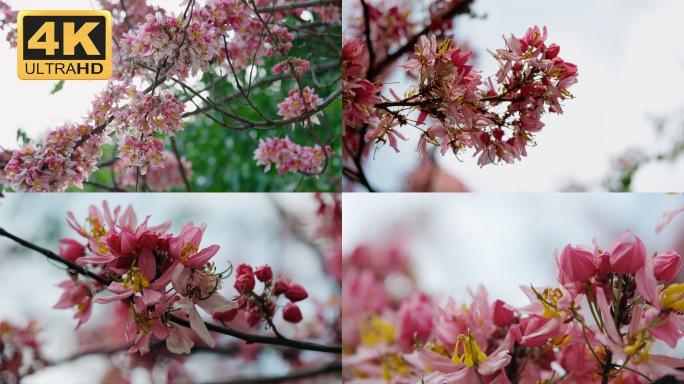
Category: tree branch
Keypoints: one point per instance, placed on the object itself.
(330, 368)
(305, 4)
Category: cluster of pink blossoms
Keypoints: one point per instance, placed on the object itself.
(359, 94)
(142, 262)
(296, 105)
(20, 353)
(288, 156)
(162, 178)
(282, 43)
(412, 340)
(532, 80)
(166, 42)
(58, 164)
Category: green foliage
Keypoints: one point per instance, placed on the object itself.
(58, 87)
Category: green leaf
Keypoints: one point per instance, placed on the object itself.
(22, 137)
(58, 87)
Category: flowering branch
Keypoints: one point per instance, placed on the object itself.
(249, 338)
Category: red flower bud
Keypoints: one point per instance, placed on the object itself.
(281, 286)
(666, 265)
(73, 251)
(245, 283)
(264, 274)
(292, 313)
(244, 269)
(296, 293)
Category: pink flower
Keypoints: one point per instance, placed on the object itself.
(415, 321)
(77, 293)
(196, 288)
(292, 313)
(577, 263)
(73, 251)
(144, 324)
(385, 129)
(666, 265)
(185, 247)
(627, 257)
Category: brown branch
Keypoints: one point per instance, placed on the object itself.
(180, 165)
(330, 368)
(304, 4)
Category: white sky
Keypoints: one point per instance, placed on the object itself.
(630, 58)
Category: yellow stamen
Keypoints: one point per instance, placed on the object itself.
(671, 297)
(374, 330)
(471, 352)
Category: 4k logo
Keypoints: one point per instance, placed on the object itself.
(64, 45)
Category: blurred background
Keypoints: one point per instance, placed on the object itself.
(623, 131)
(257, 229)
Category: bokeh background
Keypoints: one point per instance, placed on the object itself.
(249, 229)
(630, 56)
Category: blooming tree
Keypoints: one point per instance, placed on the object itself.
(613, 309)
(156, 283)
(192, 93)
(457, 109)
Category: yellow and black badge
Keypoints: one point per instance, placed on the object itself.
(64, 45)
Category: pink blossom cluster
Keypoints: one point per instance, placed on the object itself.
(532, 80)
(331, 13)
(288, 156)
(9, 21)
(299, 65)
(146, 114)
(258, 307)
(58, 164)
(410, 339)
(20, 353)
(145, 153)
(359, 95)
(171, 43)
(390, 25)
(280, 41)
(142, 262)
(163, 178)
(225, 15)
(300, 102)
